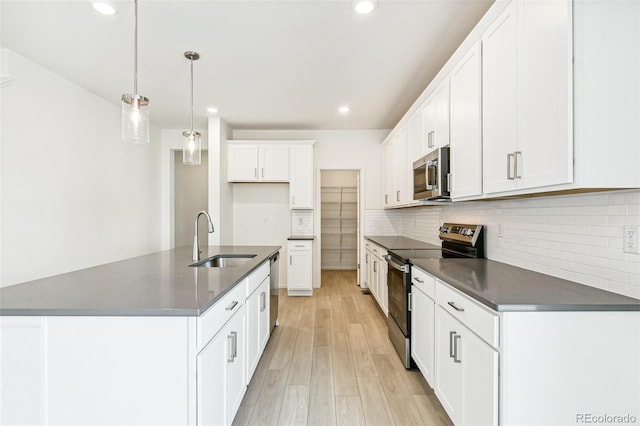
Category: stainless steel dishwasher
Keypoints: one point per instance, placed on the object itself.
(275, 288)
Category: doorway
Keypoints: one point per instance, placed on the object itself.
(339, 219)
(190, 195)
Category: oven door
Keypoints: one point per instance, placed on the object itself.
(398, 296)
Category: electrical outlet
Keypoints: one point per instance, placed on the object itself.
(630, 241)
(500, 230)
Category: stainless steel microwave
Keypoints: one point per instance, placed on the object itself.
(431, 176)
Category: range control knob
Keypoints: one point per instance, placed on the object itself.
(444, 229)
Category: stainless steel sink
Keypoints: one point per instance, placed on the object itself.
(224, 261)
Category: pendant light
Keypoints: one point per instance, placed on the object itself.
(192, 152)
(135, 108)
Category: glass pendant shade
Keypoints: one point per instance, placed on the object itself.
(191, 154)
(135, 119)
(135, 108)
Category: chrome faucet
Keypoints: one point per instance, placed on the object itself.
(196, 246)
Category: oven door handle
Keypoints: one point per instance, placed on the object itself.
(399, 266)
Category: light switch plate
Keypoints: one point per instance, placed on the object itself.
(630, 239)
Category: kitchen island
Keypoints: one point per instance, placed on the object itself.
(147, 341)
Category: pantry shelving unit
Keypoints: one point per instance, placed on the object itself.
(339, 217)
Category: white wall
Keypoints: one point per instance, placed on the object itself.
(220, 191)
(172, 142)
(575, 237)
(73, 194)
(191, 194)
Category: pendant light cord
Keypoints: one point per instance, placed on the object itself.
(191, 60)
(135, 48)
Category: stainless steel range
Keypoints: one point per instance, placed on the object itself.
(458, 241)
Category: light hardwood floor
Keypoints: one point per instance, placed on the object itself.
(330, 362)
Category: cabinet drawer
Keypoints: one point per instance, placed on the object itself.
(299, 245)
(378, 251)
(423, 281)
(469, 312)
(256, 277)
(209, 323)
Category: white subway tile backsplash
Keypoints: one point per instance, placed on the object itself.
(302, 223)
(576, 237)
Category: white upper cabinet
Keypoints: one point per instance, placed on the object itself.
(397, 171)
(274, 163)
(402, 194)
(242, 163)
(387, 174)
(301, 188)
(466, 125)
(258, 162)
(414, 138)
(527, 97)
(435, 119)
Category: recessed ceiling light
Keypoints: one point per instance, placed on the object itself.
(212, 110)
(343, 109)
(364, 6)
(104, 7)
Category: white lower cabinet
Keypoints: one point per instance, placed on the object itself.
(423, 324)
(257, 326)
(466, 365)
(221, 370)
(299, 268)
(377, 274)
(466, 373)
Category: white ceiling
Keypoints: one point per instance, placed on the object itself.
(264, 64)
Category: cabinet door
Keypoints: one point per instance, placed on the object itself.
(235, 375)
(242, 163)
(265, 325)
(441, 110)
(388, 174)
(383, 293)
(274, 163)
(545, 93)
(301, 184)
(253, 304)
(414, 140)
(401, 169)
(422, 333)
(466, 125)
(480, 380)
(448, 372)
(365, 269)
(499, 102)
(374, 277)
(428, 112)
(299, 270)
(211, 364)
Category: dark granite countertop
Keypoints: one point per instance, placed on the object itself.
(158, 284)
(400, 243)
(507, 288)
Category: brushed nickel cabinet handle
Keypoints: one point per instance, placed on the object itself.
(231, 306)
(234, 334)
(451, 353)
(453, 305)
(229, 348)
(456, 339)
(510, 157)
(418, 280)
(516, 174)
